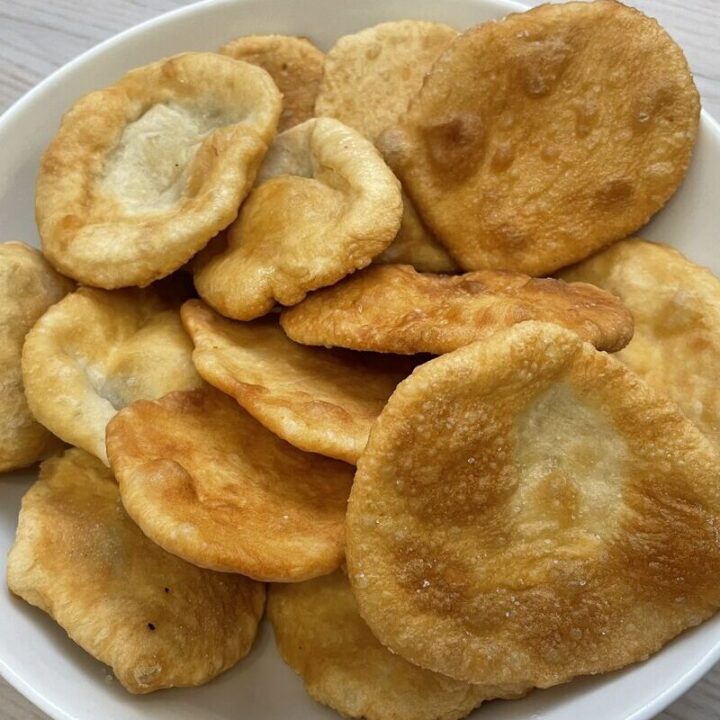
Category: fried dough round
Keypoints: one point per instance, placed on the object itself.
(143, 173)
(28, 286)
(539, 139)
(320, 634)
(676, 307)
(530, 501)
(325, 205)
(96, 352)
(414, 245)
(295, 65)
(392, 308)
(370, 77)
(156, 620)
(319, 400)
(209, 483)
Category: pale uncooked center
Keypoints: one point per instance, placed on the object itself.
(572, 463)
(149, 168)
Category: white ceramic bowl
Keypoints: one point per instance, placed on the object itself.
(35, 654)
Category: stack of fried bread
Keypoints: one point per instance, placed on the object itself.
(365, 337)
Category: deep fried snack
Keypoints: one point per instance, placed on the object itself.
(158, 621)
(392, 308)
(321, 401)
(532, 501)
(370, 77)
(414, 245)
(28, 286)
(96, 352)
(325, 205)
(539, 139)
(209, 483)
(143, 173)
(676, 307)
(320, 634)
(295, 65)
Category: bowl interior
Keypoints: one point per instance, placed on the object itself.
(35, 654)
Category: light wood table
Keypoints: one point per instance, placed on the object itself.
(37, 36)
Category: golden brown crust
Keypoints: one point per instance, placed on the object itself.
(319, 400)
(157, 621)
(324, 206)
(210, 484)
(370, 77)
(28, 286)
(530, 501)
(392, 308)
(414, 245)
(143, 173)
(295, 65)
(539, 139)
(320, 634)
(368, 80)
(676, 307)
(98, 351)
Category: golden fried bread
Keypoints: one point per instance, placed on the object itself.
(158, 621)
(209, 483)
(321, 635)
(142, 174)
(529, 510)
(28, 286)
(676, 307)
(325, 205)
(368, 80)
(394, 309)
(414, 245)
(295, 65)
(539, 139)
(319, 400)
(96, 352)
(370, 77)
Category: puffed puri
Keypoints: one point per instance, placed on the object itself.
(97, 351)
(543, 137)
(321, 635)
(676, 306)
(207, 482)
(294, 63)
(319, 400)
(143, 173)
(393, 308)
(156, 620)
(325, 204)
(530, 500)
(368, 80)
(28, 287)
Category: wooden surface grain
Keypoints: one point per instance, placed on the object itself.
(37, 36)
